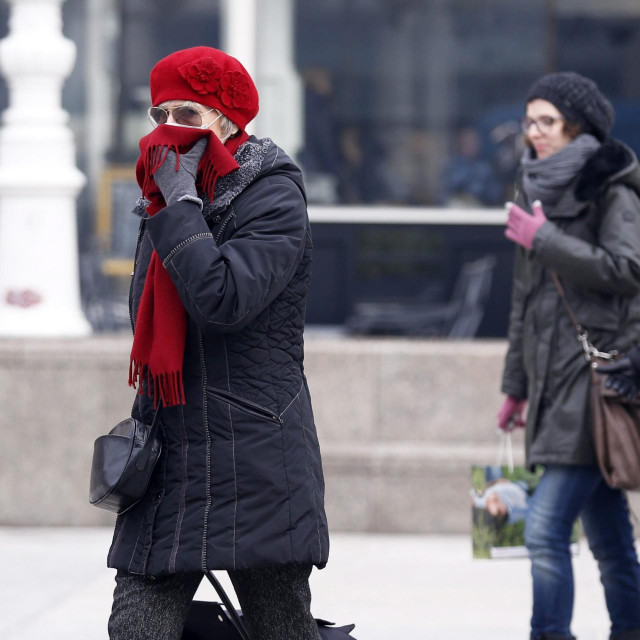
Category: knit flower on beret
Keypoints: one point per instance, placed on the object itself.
(235, 90)
(203, 75)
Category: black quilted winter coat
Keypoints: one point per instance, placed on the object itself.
(239, 483)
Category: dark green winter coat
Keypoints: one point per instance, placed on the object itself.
(591, 240)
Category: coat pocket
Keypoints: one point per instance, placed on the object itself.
(247, 406)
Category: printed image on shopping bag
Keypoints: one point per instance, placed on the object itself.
(500, 499)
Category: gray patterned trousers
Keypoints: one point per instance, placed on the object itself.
(275, 603)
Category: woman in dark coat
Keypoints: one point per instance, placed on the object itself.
(218, 301)
(583, 191)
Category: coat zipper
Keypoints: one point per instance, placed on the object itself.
(223, 225)
(205, 418)
(246, 405)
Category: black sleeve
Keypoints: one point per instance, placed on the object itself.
(611, 266)
(224, 287)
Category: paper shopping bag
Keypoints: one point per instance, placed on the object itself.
(500, 497)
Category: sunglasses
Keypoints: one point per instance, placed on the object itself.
(183, 116)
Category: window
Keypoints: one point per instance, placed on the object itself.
(418, 103)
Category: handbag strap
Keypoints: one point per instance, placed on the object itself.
(145, 454)
(591, 353)
(560, 289)
(231, 610)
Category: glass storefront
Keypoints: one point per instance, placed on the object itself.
(418, 102)
(406, 102)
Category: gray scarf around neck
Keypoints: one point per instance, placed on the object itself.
(547, 179)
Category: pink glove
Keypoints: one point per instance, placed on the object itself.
(510, 414)
(522, 227)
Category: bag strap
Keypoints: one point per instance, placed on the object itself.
(560, 289)
(591, 353)
(231, 610)
(145, 454)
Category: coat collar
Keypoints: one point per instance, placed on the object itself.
(612, 162)
(250, 156)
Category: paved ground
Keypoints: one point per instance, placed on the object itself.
(55, 586)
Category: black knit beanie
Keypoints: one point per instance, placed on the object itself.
(578, 99)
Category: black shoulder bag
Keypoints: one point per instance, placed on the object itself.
(123, 461)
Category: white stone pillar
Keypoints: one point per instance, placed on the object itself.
(39, 182)
(101, 29)
(261, 35)
(239, 32)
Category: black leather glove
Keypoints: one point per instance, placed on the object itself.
(623, 378)
(181, 184)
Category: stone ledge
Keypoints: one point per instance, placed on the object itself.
(400, 423)
(425, 493)
(407, 456)
(111, 349)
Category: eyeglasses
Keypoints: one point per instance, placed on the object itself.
(543, 124)
(184, 116)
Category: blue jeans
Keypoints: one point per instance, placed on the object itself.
(564, 493)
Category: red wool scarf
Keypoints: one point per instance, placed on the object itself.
(161, 324)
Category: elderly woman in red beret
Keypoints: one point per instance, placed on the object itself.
(217, 307)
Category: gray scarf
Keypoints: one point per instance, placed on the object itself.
(546, 180)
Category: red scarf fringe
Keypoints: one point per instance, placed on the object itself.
(168, 387)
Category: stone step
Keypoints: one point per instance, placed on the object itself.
(403, 487)
(407, 487)
(405, 390)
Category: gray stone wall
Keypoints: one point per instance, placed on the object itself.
(400, 423)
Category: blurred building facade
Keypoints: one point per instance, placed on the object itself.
(386, 104)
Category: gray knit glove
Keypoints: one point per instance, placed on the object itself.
(181, 184)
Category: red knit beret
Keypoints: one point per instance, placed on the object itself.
(208, 76)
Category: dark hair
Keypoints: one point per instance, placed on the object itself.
(572, 129)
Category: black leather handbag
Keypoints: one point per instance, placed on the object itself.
(210, 621)
(123, 461)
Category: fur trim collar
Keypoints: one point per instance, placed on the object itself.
(250, 156)
(612, 160)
